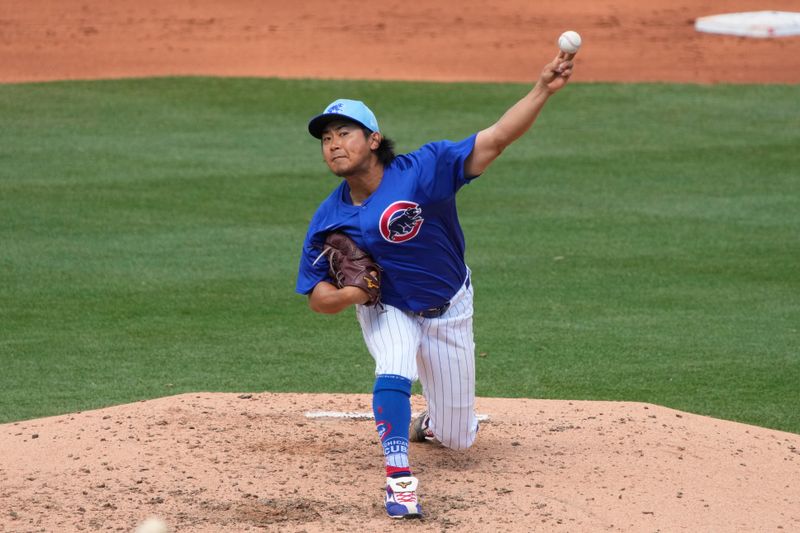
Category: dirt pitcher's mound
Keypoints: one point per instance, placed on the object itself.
(227, 462)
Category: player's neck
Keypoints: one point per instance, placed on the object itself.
(363, 184)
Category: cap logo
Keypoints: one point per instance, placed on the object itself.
(335, 108)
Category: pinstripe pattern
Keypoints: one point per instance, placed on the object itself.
(391, 335)
(440, 352)
(397, 460)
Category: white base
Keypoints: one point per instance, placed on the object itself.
(759, 24)
(362, 416)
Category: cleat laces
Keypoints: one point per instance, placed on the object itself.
(406, 497)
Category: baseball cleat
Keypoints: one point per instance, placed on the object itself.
(401, 497)
(420, 430)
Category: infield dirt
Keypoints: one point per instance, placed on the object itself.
(221, 462)
(228, 462)
(469, 40)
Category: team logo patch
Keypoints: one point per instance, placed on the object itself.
(401, 221)
(335, 108)
(384, 428)
(395, 445)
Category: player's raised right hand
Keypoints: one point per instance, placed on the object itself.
(556, 74)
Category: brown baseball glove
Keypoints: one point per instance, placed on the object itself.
(351, 266)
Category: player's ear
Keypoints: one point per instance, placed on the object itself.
(375, 139)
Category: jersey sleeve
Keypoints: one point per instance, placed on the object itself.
(440, 167)
(313, 268)
(310, 273)
(330, 216)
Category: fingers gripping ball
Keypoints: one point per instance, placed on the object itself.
(351, 266)
(569, 42)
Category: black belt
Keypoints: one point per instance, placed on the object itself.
(436, 312)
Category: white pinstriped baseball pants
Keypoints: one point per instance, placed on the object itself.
(440, 352)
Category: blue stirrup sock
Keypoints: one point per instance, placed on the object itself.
(391, 404)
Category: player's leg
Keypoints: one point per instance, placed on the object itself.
(446, 364)
(392, 338)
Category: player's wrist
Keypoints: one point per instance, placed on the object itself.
(541, 91)
(354, 295)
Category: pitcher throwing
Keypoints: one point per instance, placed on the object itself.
(388, 241)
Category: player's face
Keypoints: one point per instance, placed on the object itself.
(346, 149)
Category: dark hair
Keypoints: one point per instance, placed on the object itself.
(385, 151)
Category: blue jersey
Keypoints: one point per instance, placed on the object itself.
(409, 226)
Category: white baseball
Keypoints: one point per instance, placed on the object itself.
(569, 42)
(153, 525)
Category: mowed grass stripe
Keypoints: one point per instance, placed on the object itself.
(641, 243)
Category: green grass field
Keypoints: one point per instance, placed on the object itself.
(642, 243)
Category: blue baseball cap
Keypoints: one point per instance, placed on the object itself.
(343, 109)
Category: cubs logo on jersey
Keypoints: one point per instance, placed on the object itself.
(401, 221)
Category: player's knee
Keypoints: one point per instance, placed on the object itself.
(457, 446)
(460, 440)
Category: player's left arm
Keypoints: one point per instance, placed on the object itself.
(491, 142)
(326, 298)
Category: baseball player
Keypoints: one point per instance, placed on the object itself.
(413, 296)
